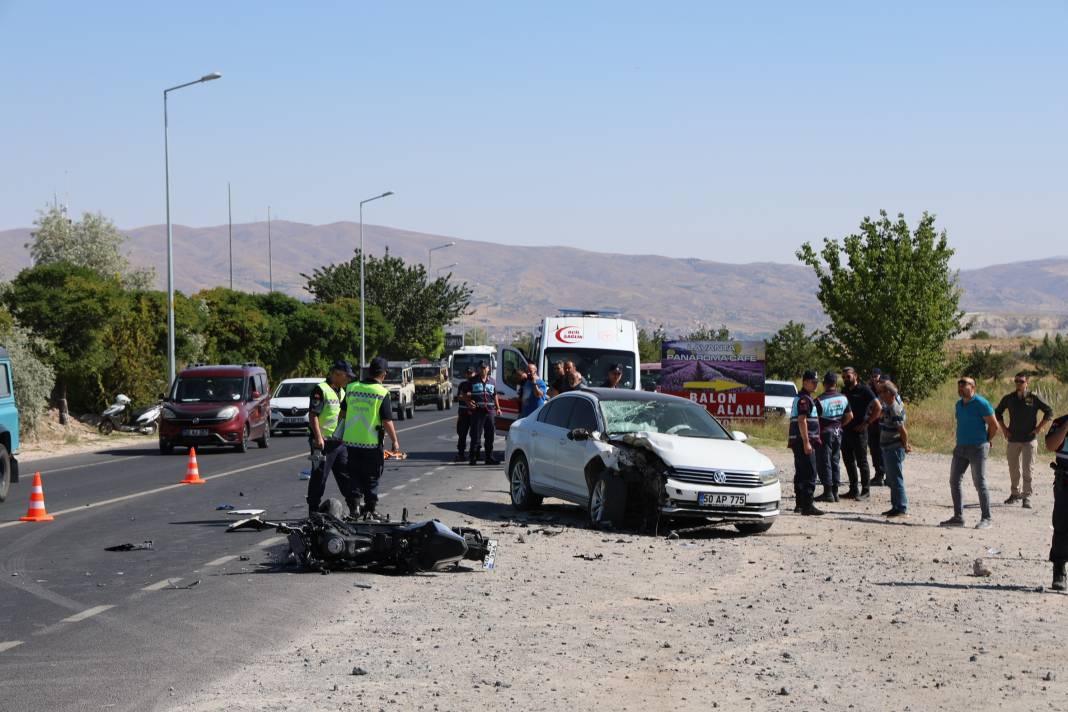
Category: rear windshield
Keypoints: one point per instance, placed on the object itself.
(208, 389)
(393, 375)
(426, 371)
(462, 362)
(295, 390)
(780, 389)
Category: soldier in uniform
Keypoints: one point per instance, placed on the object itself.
(368, 416)
(328, 453)
(804, 437)
(836, 414)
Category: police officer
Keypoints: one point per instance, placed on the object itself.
(368, 415)
(483, 406)
(463, 416)
(1057, 442)
(804, 437)
(328, 453)
(835, 415)
(866, 413)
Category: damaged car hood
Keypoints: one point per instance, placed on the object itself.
(698, 453)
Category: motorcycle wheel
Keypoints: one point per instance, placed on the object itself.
(106, 426)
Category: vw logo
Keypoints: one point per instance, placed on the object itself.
(719, 477)
(196, 420)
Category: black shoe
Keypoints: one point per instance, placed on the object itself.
(864, 495)
(472, 463)
(489, 462)
(826, 496)
(1060, 581)
(890, 512)
(851, 494)
(878, 482)
(797, 508)
(811, 511)
(834, 492)
(460, 457)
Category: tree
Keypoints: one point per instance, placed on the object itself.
(1052, 355)
(32, 376)
(524, 341)
(417, 308)
(650, 346)
(72, 307)
(894, 302)
(987, 363)
(793, 350)
(709, 334)
(319, 334)
(93, 242)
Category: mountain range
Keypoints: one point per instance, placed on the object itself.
(515, 285)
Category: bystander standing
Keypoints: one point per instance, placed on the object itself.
(1021, 436)
(866, 411)
(976, 429)
(894, 442)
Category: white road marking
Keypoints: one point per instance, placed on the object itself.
(87, 613)
(399, 487)
(414, 479)
(166, 488)
(159, 585)
(9, 644)
(88, 464)
(222, 560)
(268, 542)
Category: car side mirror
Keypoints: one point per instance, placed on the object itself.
(163, 396)
(579, 434)
(739, 436)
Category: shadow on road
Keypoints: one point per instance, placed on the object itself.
(566, 515)
(967, 586)
(861, 519)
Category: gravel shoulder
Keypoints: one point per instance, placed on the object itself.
(842, 612)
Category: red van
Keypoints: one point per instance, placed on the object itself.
(224, 406)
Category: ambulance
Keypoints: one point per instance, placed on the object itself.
(595, 339)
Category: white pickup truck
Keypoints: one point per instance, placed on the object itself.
(779, 397)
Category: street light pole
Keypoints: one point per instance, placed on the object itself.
(430, 255)
(270, 258)
(363, 340)
(170, 237)
(230, 232)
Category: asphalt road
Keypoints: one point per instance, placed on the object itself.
(83, 628)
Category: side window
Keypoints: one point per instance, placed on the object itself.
(546, 411)
(582, 415)
(5, 384)
(262, 377)
(561, 414)
(251, 386)
(513, 363)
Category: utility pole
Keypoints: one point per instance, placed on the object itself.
(230, 230)
(270, 260)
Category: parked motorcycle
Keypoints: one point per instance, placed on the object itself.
(117, 416)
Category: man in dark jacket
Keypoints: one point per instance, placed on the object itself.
(866, 411)
(804, 438)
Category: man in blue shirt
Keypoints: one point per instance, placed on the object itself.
(976, 429)
(532, 391)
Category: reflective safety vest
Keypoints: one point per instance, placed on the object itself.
(363, 403)
(812, 420)
(331, 410)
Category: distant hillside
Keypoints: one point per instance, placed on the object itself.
(514, 285)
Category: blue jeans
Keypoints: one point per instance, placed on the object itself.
(967, 457)
(894, 462)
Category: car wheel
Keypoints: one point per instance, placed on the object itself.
(266, 439)
(274, 433)
(165, 448)
(448, 401)
(523, 498)
(411, 411)
(753, 527)
(399, 414)
(245, 435)
(5, 473)
(608, 501)
(441, 403)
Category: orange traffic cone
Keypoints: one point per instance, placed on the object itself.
(192, 472)
(36, 512)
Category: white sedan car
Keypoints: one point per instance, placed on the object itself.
(289, 405)
(629, 455)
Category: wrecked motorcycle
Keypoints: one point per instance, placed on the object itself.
(326, 541)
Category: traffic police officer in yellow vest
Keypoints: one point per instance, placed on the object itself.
(368, 414)
(328, 453)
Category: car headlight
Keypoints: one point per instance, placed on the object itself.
(227, 413)
(769, 477)
(169, 414)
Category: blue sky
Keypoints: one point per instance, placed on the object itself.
(703, 129)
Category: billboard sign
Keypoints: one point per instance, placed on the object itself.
(727, 377)
(453, 342)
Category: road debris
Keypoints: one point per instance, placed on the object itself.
(143, 546)
(188, 586)
(224, 507)
(588, 557)
(980, 569)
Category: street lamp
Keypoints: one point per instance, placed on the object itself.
(454, 264)
(430, 255)
(170, 237)
(363, 258)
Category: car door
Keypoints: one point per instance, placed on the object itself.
(545, 435)
(572, 455)
(510, 361)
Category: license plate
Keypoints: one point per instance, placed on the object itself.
(293, 421)
(713, 499)
(195, 432)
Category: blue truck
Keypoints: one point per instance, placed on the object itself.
(9, 427)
